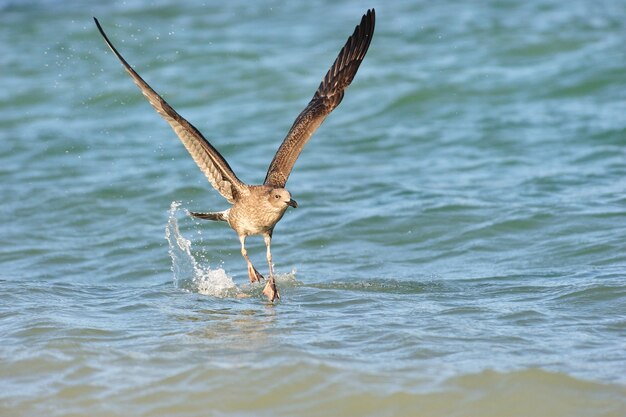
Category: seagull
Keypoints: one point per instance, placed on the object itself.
(256, 209)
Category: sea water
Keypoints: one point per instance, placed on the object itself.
(459, 247)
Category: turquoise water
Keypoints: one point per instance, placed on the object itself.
(459, 249)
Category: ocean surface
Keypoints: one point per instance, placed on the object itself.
(459, 249)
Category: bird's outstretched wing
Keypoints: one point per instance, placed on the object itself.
(212, 164)
(326, 98)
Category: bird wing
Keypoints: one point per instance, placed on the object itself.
(208, 159)
(328, 96)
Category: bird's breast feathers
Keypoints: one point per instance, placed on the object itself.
(254, 220)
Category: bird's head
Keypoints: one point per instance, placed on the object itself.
(281, 198)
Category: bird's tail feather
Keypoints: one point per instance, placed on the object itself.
(221, 216)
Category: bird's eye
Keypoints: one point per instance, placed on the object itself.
(276, 196)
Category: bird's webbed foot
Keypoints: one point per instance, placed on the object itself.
(253, 274)
(270, 290)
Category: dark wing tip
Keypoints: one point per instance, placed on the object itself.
(95, 19)
(326, 98)
(348, 61)
(367, 25)
(108, 42)
(369, 18)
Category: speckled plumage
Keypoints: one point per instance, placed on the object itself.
(257, 208)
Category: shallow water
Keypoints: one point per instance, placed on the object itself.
(459, 246)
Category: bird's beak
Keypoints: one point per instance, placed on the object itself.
(292, 203)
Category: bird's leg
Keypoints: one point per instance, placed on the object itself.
(270, 290)
(268, 254)
(253, 274)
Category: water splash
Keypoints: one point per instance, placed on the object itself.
(189, 274)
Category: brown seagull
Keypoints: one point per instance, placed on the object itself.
(256, 209)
